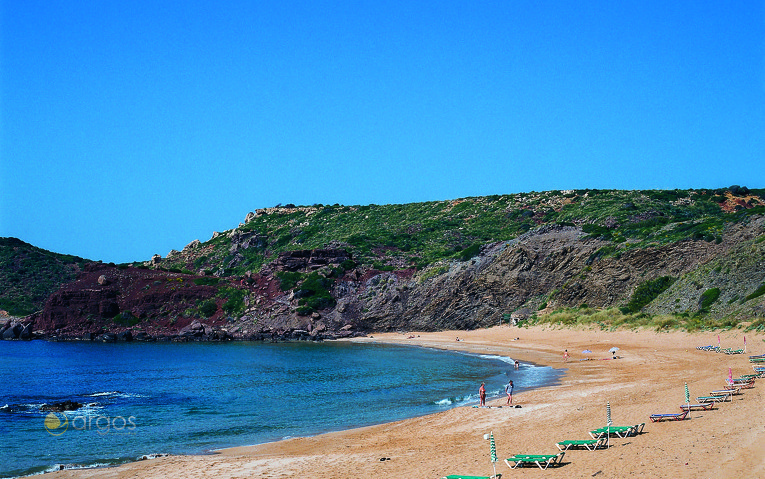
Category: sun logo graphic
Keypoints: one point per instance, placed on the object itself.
(54, 425)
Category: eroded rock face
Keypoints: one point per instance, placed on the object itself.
(507, 280)
(310, 260)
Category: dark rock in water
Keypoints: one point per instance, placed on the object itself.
(26, 332)
(125, 336)
(107, 338)
(142, 336)
(67, 405)
(13, 332)
(193, 330)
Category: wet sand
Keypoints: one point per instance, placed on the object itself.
(728, 442)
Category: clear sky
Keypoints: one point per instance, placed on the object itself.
(132, 128)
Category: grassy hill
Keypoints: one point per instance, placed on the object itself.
(389, 237)
(28, 275)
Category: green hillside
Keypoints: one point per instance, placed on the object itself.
(28, 275)
(418, 234)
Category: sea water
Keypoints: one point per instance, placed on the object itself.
(143, 399)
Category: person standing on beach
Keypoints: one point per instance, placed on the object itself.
(565, 356)
(482, 394)
(509, 392)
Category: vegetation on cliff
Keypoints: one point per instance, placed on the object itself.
(663, 259)
(389, 237)
(28, 275)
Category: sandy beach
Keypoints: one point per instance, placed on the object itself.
(649, 377)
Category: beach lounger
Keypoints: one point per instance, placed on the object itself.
(669, 417)
(734, 351)
(589, 444)
(757, 356)
(460, 476)
(618, 431)
(737, 386)
(715, 399)
(725, 392)
(706, 406)
(757, 360)
(543, 461)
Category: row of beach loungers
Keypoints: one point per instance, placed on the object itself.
(732, 388)
(718, 349)
(599, 437)
(599, 440)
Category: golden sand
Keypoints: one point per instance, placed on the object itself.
(728, 442)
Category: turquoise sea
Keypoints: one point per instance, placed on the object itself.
(143, 399)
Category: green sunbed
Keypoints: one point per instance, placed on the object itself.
(543, 461)
(619, 431)
(589, 444)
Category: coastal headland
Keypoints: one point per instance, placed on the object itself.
(647, 378)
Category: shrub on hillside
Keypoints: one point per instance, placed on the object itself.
(708, 298)
(208, 308)
(647, 292)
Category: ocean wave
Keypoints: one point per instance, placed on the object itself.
(457, 401)
(22, 407)
(116, 394)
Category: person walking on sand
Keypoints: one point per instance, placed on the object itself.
(509, 392)
(565, 356)
(482, 394)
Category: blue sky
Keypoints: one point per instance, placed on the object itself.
(132, 128)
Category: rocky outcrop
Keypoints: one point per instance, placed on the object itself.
(62, 406)
(310, 260)
(15, 329)
(552, 265)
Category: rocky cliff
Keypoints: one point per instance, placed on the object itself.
(549, 267)
(333, 271)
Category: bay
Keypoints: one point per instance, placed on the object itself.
(192, 398)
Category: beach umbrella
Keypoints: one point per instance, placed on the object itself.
(613, 350)
(730, 376)
(608, 414)
(493, 452)
(609, 423)
(586, 351)
(688, 399)
(718, 340)
(744, 343)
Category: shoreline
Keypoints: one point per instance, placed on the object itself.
(649, 378)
